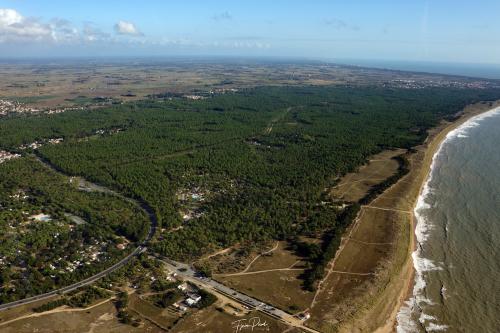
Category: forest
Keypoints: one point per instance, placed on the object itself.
(52, 234)
(259, 159)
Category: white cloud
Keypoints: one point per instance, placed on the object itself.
(127, 28)
(20, 30)
(90, 33)
(14, 27)
(9, 17)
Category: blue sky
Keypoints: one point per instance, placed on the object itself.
(416, 30)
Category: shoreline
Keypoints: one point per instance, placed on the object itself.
(432, 146)
(395, 292)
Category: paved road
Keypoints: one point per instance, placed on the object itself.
(140, 249)
(188, 273)
(182, 269)
(74, 286)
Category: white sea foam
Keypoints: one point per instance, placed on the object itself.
(462, 130)
(444, 292)
(431, 327)
(406, 324)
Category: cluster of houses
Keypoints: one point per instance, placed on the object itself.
(210, 93)
(37, 144)
(7, 107)
(5, 156)
(440, 83)
(304, 316)
(61, 110)
(86, 257)
(190, 300)
(191, 200)
(194, 97)
(19, 195)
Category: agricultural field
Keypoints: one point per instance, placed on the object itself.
(56, 84)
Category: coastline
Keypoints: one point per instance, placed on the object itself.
(432, 146)
(381, 314)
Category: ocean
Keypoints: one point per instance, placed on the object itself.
(457, 261)
(486, 71)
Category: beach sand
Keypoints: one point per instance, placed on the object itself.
(379, 314)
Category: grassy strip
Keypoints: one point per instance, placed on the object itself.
(331, 245)
(81, 299)
(376, 190)
(334, 237)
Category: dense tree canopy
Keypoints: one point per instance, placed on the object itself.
(262, 157)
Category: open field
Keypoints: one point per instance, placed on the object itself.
(355, 185)
(211, 320)
(162, 318)
(98, 319)
(233, 259)
(369, 247)
(80, 82)
(370, 304)
(278, 257)
(20, 311)
(273, 277)
(281, 288)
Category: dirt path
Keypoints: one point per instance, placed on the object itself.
(260, 255)
(350, 183)
(57, 310)
(259, 272)
(245, 271)
(345, 240)
(175, 229)
(370, 243)
(389, 209)
(215, 254)
(380, 317)
(331, 265)
(271, 124)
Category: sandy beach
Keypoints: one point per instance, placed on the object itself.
(431, 147)
(380, 313)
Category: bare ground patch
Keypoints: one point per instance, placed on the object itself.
(100, 319)
(353, 186)
(212, 320)
(279, 288)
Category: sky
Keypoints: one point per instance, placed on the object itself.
(462, 31)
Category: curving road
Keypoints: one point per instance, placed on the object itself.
(184, 270)
(140, 249)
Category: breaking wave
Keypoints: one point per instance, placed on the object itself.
(411, 317)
